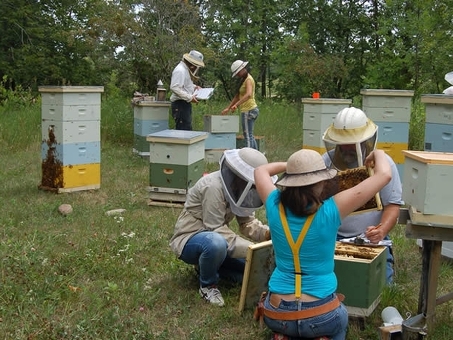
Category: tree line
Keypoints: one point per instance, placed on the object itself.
(335, 47)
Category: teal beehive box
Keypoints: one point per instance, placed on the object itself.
(360, 272)
(149, 117)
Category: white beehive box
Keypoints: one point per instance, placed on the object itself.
(178, 147)
(75, 131)
(325, 105)
(151, 110)
(439, 108)
(382, 105)
(221, 123)
(71, 95)
(427, 181)
(320, 113)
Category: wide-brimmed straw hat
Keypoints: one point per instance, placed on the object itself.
(305, 167)
(237, 66)
(195, 58)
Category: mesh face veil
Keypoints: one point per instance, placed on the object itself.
(238, 181)
(348, 156)
(350, 139)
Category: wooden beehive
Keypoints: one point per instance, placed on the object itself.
(347, 179)
(360, 272)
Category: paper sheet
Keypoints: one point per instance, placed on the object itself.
(204, 93)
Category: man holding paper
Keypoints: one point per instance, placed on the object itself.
(183, 89)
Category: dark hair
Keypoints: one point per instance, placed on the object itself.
(302, 201)
(241, 81)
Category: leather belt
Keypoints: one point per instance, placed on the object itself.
(302, 314)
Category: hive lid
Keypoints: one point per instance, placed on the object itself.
(436, 99)
(330, 101)
(387, 92)
(177, 136)
(430, 157)
(71, 89)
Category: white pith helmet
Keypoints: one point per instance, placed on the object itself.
(351, 125)
(195, 58)
(237, 66)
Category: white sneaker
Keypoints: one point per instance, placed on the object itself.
(212, 295)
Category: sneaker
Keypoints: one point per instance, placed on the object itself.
(212, 295)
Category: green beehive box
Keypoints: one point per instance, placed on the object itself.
(175, 175)
(361, 272)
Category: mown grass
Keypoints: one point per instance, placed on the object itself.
(93, 276)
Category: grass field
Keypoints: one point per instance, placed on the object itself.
(93, 276)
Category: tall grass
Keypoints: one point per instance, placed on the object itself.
(93, 276)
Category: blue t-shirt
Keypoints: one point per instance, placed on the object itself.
(316, 253)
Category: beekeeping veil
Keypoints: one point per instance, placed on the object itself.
(237, 172)
(350, 138)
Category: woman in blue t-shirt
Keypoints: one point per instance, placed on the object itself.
(302, 299)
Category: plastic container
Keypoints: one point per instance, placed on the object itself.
(391, 316)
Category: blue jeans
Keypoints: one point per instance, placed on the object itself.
(208, 250)
(248, 122)
(333, 324)
(181, 112)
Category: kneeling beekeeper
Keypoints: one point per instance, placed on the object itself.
(202, 235)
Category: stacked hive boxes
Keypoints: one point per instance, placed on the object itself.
(391, 111)
(439, 122)
(318, 116)
(176, 162)
(439, 137)
(71, 143)
(428, 189)
(221, 135)
(149, 117)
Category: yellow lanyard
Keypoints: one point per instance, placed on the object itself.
(295, 247)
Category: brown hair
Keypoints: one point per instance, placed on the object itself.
(302, 201)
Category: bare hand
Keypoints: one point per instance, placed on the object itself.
(374, 234)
